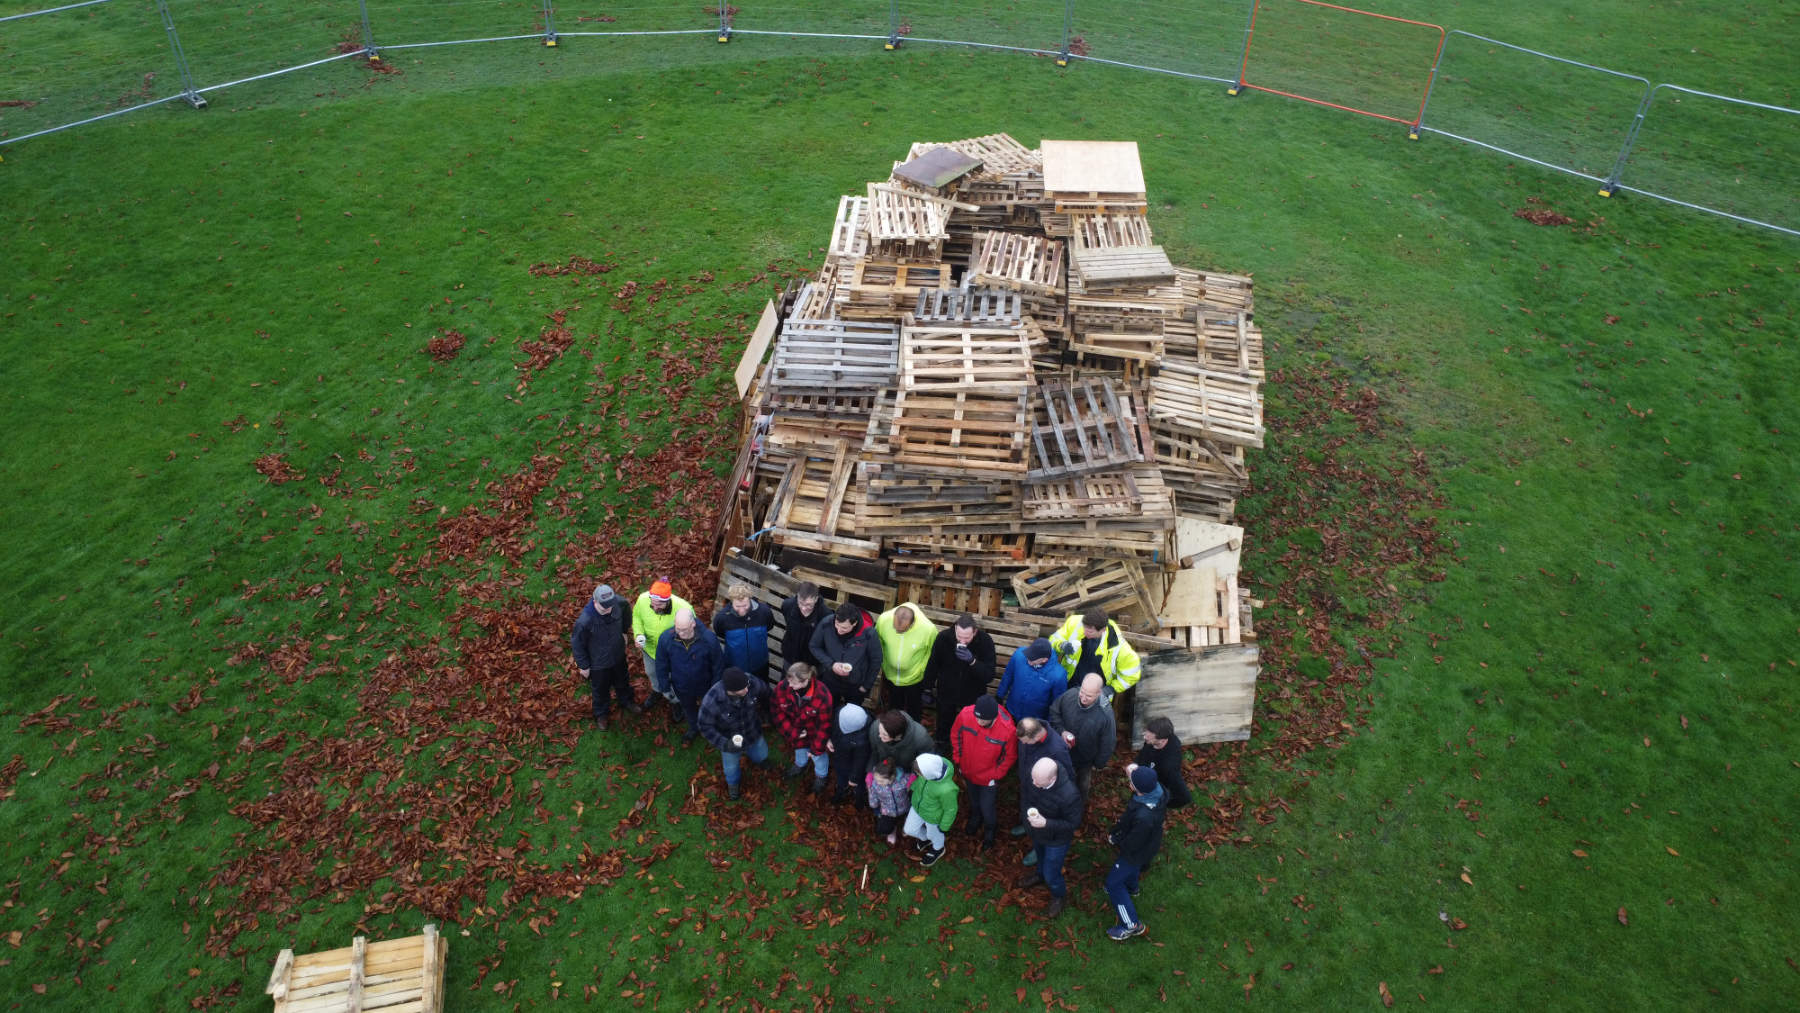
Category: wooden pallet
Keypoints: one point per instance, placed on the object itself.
(808, 506)
(955, 599)
(999, 153)
(1107, 231)
(882, 289)
(815, 299)
(393, 976)
(1079, 427)
(961, 433)
(935, 169)
(1229, 343)
(1123, 267)
(834, 356)
(1222, 406)
(993, 307)
(1209, 695)
(1230, 291)
(1012, 260)
(970, 360)
(850, 232)
(1113, 584)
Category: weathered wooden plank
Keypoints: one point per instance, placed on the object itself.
(1210, 696)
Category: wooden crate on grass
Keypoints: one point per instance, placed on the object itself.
(389, 976)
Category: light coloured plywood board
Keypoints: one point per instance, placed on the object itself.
(1193, 599)
(1092, 167)
(1209, 695)
(1219, 545)
(758, 347)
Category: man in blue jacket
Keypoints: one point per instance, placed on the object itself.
(743, 630)
(598, 644)
(1034, 678)
(730, 721)
(689, 659)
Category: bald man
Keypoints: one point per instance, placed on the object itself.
(1052, 809)
(689, 659)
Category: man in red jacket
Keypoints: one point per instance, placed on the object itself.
(984, 746)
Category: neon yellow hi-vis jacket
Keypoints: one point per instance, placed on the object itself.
(647, 621)
(903, 655)
(1119, 664)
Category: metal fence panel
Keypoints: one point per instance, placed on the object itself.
(1557, 113)
(1336, 56)
(400, 24)
(64, 66)
(630, 17)
(1197, 38)
(871, 20)
(1720, 154)
(1028, 25)
(227, 43)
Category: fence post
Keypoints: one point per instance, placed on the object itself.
(1244, 64)
(893, 41)
(549, 24)
(724, 20)
(369, 49)
(1412, 134)
(1637, 121)
(194, 98)
(1062, 59)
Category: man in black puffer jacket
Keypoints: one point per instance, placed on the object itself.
(598, 644)
(1138, 836)
(849, 655)
(801, 614)
(1053, 810)
(730, 720)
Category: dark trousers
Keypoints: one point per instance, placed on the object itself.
(950, 703)
(690, 707)
(605, 682)
(981, 811)
(1050, 866)
(910, 699)
(1121, 880)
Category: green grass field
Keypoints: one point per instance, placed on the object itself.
(286, 598)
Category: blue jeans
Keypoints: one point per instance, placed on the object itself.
(757, 751)
(1049, 865)
(1120, 881)
(821, 762)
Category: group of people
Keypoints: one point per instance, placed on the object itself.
(1051, 718)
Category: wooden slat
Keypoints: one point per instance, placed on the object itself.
(970, 360)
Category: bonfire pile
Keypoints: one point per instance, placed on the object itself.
(999, 395)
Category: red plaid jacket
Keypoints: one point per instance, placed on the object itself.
(804, 719)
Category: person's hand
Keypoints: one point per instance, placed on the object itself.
(584, 673)
(841, 667)
(1036, 819)
(737, 742)
(830, 746)
(1069, 737)
(640, 641)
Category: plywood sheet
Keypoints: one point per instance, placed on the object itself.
(1193, 598)
(758, 347)
(1209, 695)
(1092, 167)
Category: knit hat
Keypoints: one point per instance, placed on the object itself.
(931, 766)
(604, 595)
(1039, 650)
(986, 708)
(735, 680)
(852, 719)
(1143, 780)
(660, 589)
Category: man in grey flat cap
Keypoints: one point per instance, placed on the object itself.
(598, 644)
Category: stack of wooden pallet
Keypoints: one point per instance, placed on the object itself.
(999, 395)
(397, 975)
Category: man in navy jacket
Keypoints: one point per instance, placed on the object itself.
(598, 644)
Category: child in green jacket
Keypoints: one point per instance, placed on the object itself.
(933, 805)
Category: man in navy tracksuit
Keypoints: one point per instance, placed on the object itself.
(1138, 835)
